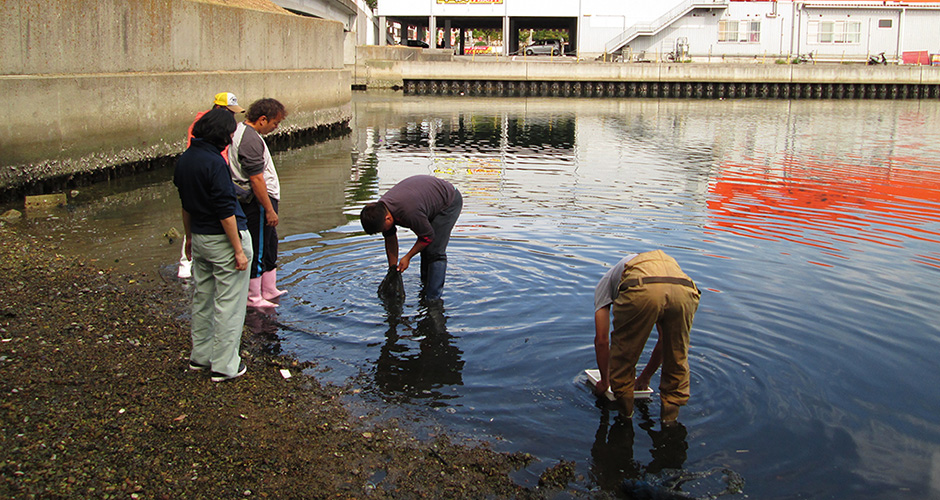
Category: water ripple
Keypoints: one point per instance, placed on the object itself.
(815, 246)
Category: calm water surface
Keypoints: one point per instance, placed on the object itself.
(812, 227)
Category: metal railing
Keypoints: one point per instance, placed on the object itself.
(660, 22)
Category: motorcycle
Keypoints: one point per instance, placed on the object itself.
(803, 59)
(878, 59)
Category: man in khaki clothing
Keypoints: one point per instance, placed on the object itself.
(644, 290)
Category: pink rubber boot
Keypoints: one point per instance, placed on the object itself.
(254, 294)
(269, 289)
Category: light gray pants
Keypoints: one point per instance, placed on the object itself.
(219, 300)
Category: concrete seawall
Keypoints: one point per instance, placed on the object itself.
(560, 77)
(627, 72)
(91, 84)
(383, 67)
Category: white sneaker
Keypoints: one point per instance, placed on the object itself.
(185, 269)
(221, 377)
(186, 265)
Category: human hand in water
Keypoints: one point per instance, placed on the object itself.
(601, 387)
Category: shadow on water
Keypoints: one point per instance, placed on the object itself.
(613, 466)
(418, 357)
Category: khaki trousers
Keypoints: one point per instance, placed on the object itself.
(669, 307)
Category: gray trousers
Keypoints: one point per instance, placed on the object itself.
(220, 297)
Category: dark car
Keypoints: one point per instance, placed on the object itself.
(416, 43)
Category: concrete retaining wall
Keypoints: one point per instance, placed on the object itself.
(617, 72)
(381, 66)
(93, 83)
(392, 72)
(115, 36)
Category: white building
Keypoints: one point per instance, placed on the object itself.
(687, 29)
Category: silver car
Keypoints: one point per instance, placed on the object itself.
(550, 47)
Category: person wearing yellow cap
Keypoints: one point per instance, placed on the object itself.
(221, 100)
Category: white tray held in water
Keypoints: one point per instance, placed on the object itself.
(594, 375)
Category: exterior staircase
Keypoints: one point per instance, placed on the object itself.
(643, 29)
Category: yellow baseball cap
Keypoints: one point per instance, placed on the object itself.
(228, 100)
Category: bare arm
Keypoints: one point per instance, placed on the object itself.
(391, 249)
(415, 250)
(260, 189)
(231, 230)
(602, 347)
(187, 231)
(656, 359)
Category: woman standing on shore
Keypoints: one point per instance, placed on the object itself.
(219, 245)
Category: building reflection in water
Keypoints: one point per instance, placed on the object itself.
(832, 205)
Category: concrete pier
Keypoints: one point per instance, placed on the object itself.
(821, 81)
(568, 77)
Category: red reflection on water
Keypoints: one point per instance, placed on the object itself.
(929, 260)
(822, 203)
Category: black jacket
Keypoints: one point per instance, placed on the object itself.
(206, 190)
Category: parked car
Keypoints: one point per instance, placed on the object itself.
(416, 43)
(551, 47)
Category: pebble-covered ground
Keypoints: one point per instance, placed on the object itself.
(97, 402)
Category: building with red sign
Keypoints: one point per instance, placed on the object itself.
(697, 30)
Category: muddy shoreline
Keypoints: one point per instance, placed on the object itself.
(98, 403)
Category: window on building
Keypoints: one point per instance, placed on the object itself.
(884, 23)
(825, 31)
(728, 31)
(753, 32)
(853, 32)
(739, 31)
(834, 32)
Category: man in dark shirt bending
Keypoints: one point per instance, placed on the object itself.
(428, 206)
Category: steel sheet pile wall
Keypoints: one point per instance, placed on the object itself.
(588, 79)
(707, 90)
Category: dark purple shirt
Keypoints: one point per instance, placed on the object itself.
(414, 201)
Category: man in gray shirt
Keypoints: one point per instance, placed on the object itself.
(428, 206)
(259, 192)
